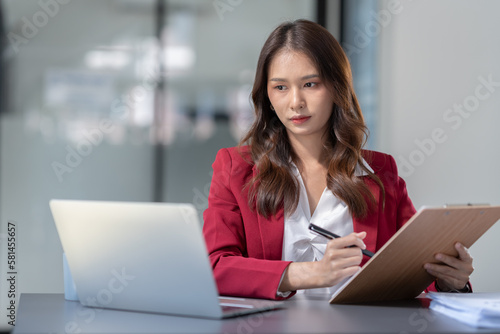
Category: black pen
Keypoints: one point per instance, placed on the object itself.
(329, 235)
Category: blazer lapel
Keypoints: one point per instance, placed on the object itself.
(271, 233)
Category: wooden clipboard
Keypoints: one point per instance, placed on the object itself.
(396, 271)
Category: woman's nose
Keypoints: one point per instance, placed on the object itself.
(297, 101)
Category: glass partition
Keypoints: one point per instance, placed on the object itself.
(119, 100)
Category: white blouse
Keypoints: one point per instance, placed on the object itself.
(300, 244)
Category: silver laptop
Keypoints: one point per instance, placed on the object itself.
(148, 257)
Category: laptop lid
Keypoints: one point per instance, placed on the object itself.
(137, 256)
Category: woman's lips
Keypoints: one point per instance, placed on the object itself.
(300, 119)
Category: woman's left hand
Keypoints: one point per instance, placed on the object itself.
(454, 273)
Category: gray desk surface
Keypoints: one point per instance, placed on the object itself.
(50, 313)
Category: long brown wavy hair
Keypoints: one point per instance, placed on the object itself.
(275, 185)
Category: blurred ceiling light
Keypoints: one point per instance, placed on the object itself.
(179, 58)
(100, 59)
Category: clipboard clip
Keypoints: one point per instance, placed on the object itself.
(466, 204)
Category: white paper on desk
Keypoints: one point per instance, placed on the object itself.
(474, 309)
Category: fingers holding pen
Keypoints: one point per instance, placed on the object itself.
(353, 239)
(351, 244)
(341, 259)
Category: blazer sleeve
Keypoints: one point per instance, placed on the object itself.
(236, 273)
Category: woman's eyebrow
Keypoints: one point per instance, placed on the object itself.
(310, 76)
(277, 79)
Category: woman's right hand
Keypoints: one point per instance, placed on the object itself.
(339, 261)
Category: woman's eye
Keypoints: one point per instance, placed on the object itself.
(310, 84)
(280, 87)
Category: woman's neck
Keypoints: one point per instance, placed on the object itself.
(308, 150)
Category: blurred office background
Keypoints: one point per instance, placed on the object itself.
(131, 99)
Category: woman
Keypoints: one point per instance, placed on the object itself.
(304, 163)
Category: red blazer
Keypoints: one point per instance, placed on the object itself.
(245, 248)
